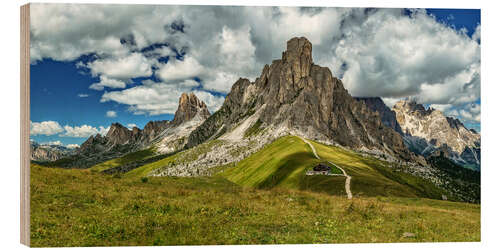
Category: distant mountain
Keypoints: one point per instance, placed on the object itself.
(430, 132)
(293, 95)
(386, 114)
(45, 152)
(165, 136)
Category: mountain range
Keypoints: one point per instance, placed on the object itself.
(292, 96)
(47, 152)
(428, 132)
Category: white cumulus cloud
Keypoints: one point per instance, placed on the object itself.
(180, 70)
(107, 82)
(156, 98)
(375, 52)
(45, 128)
(111, 113)
(57, 143)
(129, 66)
(83, 131)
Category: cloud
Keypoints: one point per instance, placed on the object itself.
(67, 31)
(462, 88)
(126, 67)
(453, 113)
(441, 107)
(477, 34)
(222, 43)
(156, 98)
(72, 146)
(108, 82)
(83, 95)
(83, 131)
(469, 113)
(180, 69)
(45, 128)
(375, 52)
(57, 143)
(388, 54)
(131, 125)
(111, 113)
(53, 128)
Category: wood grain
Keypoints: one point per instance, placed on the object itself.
(25, 124)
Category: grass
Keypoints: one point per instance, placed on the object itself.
(72, 207)
(128, 158)
(143, 171)
(372, 177)
(284, 162)
(178, 158)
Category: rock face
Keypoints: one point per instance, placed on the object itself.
(386, 114)
(430, 132)
(153, 129)
(118, 134)
(167, 136)
(296, 95)
(189, 107)
(48, 152)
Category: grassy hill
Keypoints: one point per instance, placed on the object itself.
(74, 207)
(128, 158)
(284, 162)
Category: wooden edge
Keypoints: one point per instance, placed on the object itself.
(25, 124)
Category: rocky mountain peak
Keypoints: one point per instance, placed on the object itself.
(295, 95)
(118, 134)
(136, 131)
(189, 107)
(429, 130)
(413, 106)
(299, 54)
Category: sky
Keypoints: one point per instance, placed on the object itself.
(92, 65)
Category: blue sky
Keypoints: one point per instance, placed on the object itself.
(459, 18)
(131, 66)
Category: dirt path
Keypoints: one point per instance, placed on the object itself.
(348, 178)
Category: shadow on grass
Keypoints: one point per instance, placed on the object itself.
(301, 161)
(286, 167)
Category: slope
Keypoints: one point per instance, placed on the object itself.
(373, 177)
(126, 159)
(284, 162)
(212, 210)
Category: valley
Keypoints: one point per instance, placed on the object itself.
(291, 157)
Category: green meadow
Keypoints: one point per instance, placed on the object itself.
(264, 199)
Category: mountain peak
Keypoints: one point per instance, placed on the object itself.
(299, 54)
(297, 47)
(295, 96)
(118, 134)
(411, 105)
(189, 107)
(435, 128)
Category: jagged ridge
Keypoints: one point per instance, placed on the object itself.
(296, 95)
(430, 132)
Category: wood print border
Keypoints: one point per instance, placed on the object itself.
(25, 127)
